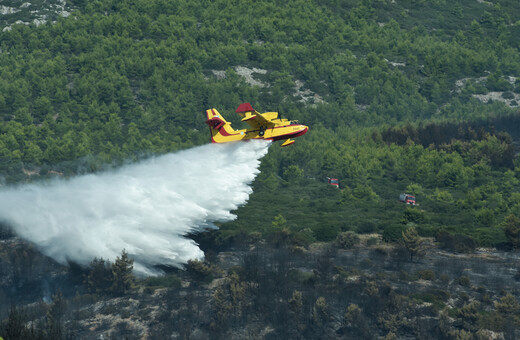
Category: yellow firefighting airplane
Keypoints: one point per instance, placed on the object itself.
(263, 126)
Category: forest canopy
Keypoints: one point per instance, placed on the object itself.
(380, 83)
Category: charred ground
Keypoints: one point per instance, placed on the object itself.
(360, 288)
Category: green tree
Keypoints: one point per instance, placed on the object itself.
(413, 243)
(470, 315)
(355, 321)
(365, 193)
(222, 308)
(414, 215)
(320, 311)
(442, 196)
(297, 314)
(506, 318)
(414, 189)
(484, 217)
(512, 231)
(296, 302)
(326, 232)
(452, 175)
(99, 278)
(54, 317)
(123, 277)
(199, 270)
(353, 314)
(280, 234)
(237, 292)
(293, 174)
(42, 107)
(279, 222)
(32, 153)
(508, 306)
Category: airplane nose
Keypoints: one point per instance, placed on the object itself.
(302, 131)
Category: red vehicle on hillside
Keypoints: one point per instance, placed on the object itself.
(333, 182)
(408, 199)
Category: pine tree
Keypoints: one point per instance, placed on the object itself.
(512, 231)
(54, 317)
(413, 242)
(99, 279)
(14, 325)
(122, 273)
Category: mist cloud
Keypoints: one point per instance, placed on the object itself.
(145, 208)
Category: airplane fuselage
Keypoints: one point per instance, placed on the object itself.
(275, 133)
(263, 126)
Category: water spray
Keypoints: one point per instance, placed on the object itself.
(146, 208)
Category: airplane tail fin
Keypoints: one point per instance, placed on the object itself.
(245, 110)
(218, 126)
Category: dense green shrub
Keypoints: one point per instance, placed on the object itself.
(326, 232)
(366, 227)
(393, 233)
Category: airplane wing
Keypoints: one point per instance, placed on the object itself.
(254, 118)
(257, 120)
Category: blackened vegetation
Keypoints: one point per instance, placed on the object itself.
(457, 137)
(43, 321)
(5, 231)
(333, 293)
(455, 242)
(25, 275)
(58, 293)
(284, 292)
(444, 133)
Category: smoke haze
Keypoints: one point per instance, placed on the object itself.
(145, 208)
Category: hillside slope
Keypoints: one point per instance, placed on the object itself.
(400, 96)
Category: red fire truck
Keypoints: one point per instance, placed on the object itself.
(408, 199)
(333, 181)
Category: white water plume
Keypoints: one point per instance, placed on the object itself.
(145, 208)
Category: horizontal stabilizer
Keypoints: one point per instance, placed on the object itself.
(248, 118)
